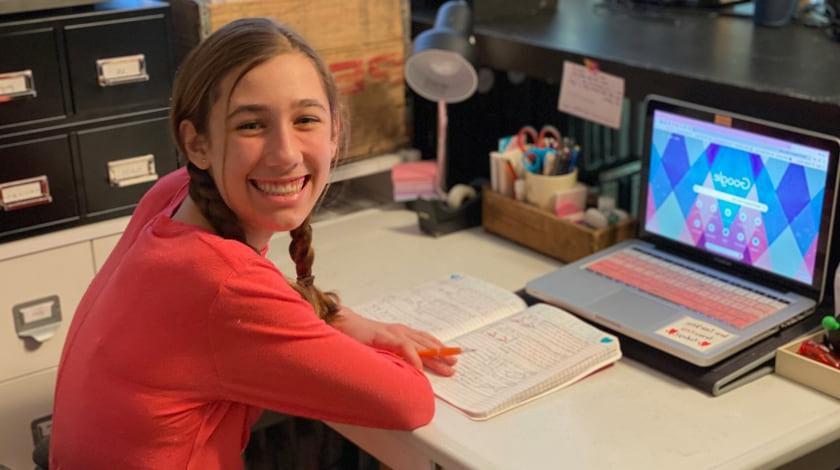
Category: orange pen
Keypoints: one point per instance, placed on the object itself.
(442, 352)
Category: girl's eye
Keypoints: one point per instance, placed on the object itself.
(305, 120)
(249, 126)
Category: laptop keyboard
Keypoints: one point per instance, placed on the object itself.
(705, 294)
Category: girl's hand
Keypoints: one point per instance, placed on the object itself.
(394, 337)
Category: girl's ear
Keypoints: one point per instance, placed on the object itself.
(195, 144)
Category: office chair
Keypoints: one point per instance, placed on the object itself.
(41, 454)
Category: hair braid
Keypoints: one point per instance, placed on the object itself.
(326, 304)
(205, 194)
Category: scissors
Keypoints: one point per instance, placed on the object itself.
(543, 143)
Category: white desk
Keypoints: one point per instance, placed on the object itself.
(627, 416)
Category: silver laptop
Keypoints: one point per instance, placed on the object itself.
(734, 234)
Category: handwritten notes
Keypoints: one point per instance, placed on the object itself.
(696, 334)
(526, 354)
(588, 93)
(518, 353)
(445, 308)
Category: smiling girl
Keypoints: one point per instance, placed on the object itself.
(188, 332)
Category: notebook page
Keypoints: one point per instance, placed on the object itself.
(445, 308)
(521, 357)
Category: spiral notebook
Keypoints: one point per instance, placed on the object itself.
(519, 353)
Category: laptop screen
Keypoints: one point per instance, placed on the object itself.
(751, 198)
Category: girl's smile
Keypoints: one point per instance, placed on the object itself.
(283, 189)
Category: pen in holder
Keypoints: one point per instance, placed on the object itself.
(540, 189)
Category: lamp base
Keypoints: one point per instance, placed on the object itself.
(436, 218)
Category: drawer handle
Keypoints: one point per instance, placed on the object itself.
(25, 193)
(17, 85)
(121, 70)
(131, 171)
(38, 319)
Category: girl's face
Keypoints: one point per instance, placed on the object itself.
(270, 147)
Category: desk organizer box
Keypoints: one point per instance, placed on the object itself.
(544, 232)
(792, 365)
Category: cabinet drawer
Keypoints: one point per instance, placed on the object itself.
(119, 64)
(35, 290)
(30, 77)
(23, 401)
(36, 184)
(102, 248)
(120, 162)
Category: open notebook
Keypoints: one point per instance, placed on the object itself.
(520, 353)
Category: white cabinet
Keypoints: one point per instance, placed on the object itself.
(42, 280)
(102, 247)
(38, 296)
(24, 400)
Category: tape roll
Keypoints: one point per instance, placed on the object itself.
(458, 194)
(595, 218)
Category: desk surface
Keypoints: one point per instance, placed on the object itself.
(627, 416)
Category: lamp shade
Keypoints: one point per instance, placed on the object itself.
(440, 67)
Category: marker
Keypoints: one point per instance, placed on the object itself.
(832, 334)
(442, 352)
(573, 161)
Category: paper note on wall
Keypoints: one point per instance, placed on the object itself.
(590, 94)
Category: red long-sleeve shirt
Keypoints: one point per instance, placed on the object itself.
(184, 337)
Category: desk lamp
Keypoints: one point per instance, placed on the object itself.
(441, 69)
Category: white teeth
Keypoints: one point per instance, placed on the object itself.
(284, 189)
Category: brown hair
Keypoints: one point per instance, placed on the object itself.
(242, 45)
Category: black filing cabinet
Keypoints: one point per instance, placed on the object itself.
(121, 162)
(30, 76)
(84, 95)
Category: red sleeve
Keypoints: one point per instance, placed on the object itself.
(272, 351)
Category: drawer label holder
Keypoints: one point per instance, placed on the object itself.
(24, 193)
(131, 171)
(38, 319)
(17, 85)
(121, 70)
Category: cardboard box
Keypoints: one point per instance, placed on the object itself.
(364, 43)
(543, 232)
(792, 365)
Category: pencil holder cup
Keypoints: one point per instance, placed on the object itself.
(540, 189)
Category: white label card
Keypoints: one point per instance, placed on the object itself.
(132, 167)
(591, 94)
(121, 68)
(13, 85)
(21, 192)
(34, 313)
(696, 334)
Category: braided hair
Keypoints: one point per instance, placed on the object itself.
(242, 45)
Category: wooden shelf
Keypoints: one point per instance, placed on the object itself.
(372, 165)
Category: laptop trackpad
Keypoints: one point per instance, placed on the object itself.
(630, 309)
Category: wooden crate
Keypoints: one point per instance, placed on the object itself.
(364, 43)
(544, 232)
(808, 372)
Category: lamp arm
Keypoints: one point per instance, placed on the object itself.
(440, 173)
